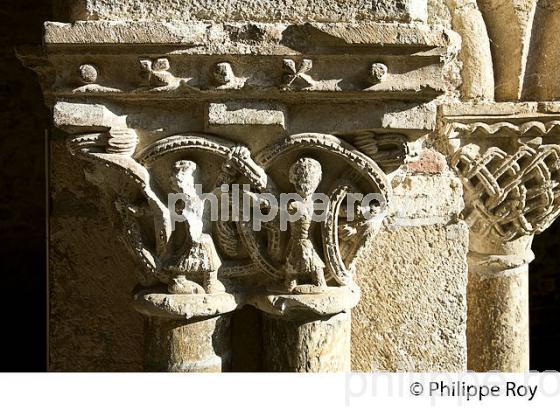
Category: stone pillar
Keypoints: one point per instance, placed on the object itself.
(186, 333)
(508, 156)
(307, 344)
(195, 345)
(498, 305)
(308, 333)
(219, 97)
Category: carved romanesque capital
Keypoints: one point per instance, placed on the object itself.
(508, 157)
(511, 195)
(274, 250)
(195, 261)
(510, 166)
(183, 125)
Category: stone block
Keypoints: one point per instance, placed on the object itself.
(413, 312)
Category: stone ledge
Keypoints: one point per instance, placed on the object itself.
(157, 302)
(161, 304)
(248, 114)
(499, 109)
(250, 34)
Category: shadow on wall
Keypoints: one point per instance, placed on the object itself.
(23, 118)
(544, 300)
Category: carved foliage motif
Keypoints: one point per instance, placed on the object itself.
(200, 254)
(297, 76)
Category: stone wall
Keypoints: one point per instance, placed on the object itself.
(249, 10)
(92, 326)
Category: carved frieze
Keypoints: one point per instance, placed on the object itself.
(355, 61)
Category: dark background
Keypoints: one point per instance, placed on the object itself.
(544, 300)
(23, 119)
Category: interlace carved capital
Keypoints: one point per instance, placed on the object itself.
(509, 165)
(510, 195)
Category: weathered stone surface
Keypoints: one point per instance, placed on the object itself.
(498, 323)
(159, 303)
(470, 109)
(421, 117)
(307, 345)
(112, 32)
(255, 36)
(509, 24)
(331, 302)
(429, 162)
(91, 325)
(76, 116)
(498, 303)
(413, 312)
(477, 72)
(541, 82)
(248, 10)
(243, 114)
(412, 316)
(183, 346)
(426, 198)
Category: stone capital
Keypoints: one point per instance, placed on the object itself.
(196, 127)
(508, 157)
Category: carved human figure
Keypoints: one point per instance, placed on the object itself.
(196, 261)
(304, 268)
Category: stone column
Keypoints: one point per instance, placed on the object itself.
(498, 304)
(308, 333)
(186, 333)
(508, 158)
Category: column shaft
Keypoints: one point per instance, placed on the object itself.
(196, 345)
(498, 305)
(498, 323)
(307, 345)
